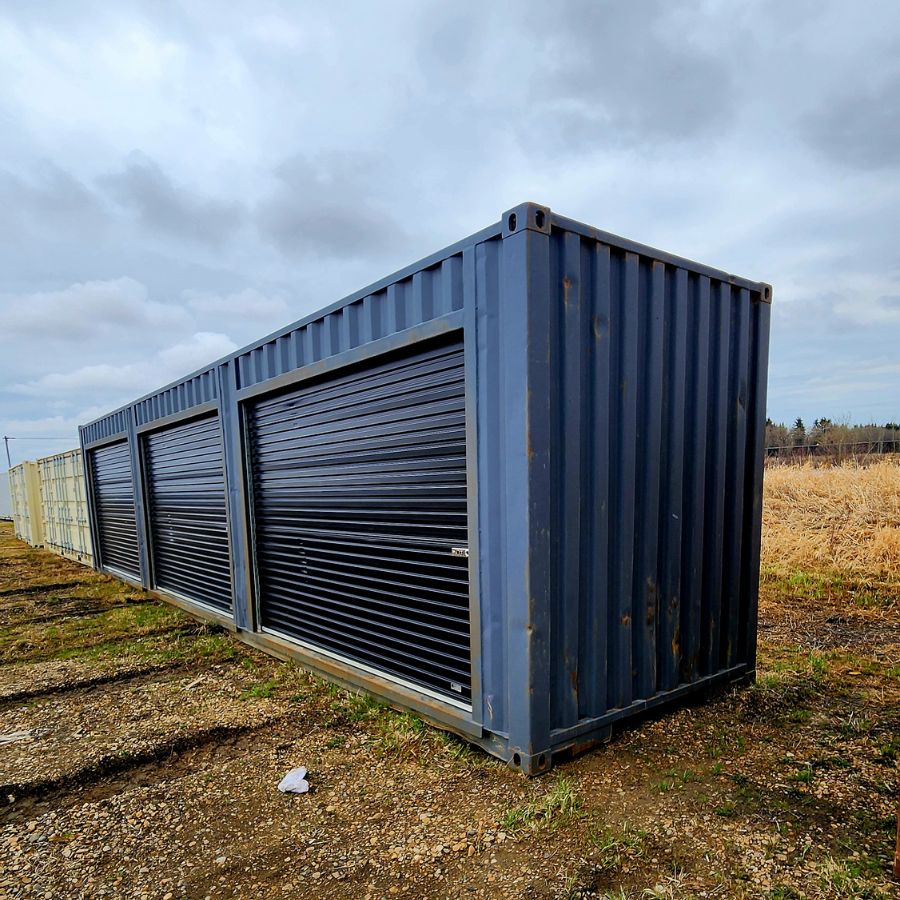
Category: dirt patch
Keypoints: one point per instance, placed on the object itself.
(155, 747)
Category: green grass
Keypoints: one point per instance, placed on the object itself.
(260, 690)
(79, 636)
(848, 877)
(560, 803)
(615, 845)
(801, 583)
(803, 775)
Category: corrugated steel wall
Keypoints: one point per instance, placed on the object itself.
(185, 395)
(657, 408)
(109, 426)
(49, 505)
(25, 497)
(615, 403)
(427, 294)
(64, 508)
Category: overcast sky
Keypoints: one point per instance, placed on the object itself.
(177, 180)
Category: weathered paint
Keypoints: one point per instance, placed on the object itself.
(615, 401)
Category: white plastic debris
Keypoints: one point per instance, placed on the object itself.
(294, 782)
(14, 737)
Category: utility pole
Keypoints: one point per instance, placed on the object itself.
(8, 460)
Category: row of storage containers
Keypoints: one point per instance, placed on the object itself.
(49, 505)
(515, 487)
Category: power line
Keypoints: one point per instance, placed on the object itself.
(32, 437)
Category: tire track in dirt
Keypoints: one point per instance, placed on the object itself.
(147, 673)
(114, 773)
(45, 655)
(28, 590)
(73, 612)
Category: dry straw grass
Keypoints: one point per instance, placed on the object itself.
(844, 517)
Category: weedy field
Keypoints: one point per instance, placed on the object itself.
(141, 750)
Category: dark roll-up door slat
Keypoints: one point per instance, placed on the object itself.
(188, 522)
(114, 501)
(359, 499)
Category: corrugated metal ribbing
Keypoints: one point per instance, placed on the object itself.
(114, 508)
(188, 523)
(492, 330)
(359, 488)
(194, 391)
(109, 426)
(655, 368)
(426, 295)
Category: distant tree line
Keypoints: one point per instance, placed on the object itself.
(828, 438)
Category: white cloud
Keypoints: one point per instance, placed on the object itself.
(99, 310)
(131, 379)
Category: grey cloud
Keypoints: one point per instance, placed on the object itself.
(48, 197)
(164, 206)
(328, 205)
(860, 129)
(624, 74)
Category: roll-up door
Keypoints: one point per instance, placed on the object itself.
(114, 509)
(359, 496)
(188, 523)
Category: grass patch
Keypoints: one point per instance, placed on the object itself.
(784, 892)
(558, 804)
(63, 640)
(803, 775)
(261, 690)
(615, 845)
(851, 877)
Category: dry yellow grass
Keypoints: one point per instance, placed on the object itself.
(844, 518)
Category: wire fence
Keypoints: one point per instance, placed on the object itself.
(838, 451)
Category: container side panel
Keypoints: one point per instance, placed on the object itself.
(491, 450)
(716, 460)
(25, 495)
(568, 417)
(753, 483)
(658, 374)
(694, 508)
(735, 471)
(595, 596)
(649, 445)
(623, 397)
(64, 506)
(668, 649)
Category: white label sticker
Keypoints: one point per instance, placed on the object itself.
(459, 551)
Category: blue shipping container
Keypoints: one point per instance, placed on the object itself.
(515, 487)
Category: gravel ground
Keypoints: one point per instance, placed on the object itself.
(150, 748)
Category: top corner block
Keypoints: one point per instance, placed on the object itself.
(526, 217)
